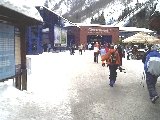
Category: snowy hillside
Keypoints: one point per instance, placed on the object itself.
(83, 10)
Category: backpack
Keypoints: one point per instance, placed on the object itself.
(112, 58)
(153, 65)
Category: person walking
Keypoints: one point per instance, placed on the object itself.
(49, 47)
(89, 46)
(128, 51)
(45, 47)
(103, 53)
(96, 52)
(80, 49)
(72, 50)
(151, 62)
(113, 62)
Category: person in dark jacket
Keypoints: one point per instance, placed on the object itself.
(72, 50)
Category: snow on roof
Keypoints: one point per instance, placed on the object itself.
(141, 37)
(22, 6)
(158, 7)
(134, 29)
(123, 29)
(97, 25)
(66, 20)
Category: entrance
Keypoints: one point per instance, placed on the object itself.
(101, 39)
(70, 40)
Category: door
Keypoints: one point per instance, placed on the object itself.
(107, 39)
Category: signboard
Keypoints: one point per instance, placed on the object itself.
(7, 51)
(98, 30)
(63, 37)
(57, 35)
(60, 36)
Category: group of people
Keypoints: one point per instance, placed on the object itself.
(80, 48)
(112, 56)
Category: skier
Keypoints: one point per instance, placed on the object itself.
(113, 61)
(151, 62)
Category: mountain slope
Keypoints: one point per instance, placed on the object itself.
(82, 10)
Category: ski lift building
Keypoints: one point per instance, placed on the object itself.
(84, 34)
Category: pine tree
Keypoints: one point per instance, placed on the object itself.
(92, 20)
(102, 20)
(46, 4)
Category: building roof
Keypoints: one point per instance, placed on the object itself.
(22, 7)
(141, 37)
(92, 25)
(158, 7)
(134, 29)
(67, 22)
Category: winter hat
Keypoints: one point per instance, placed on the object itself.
(155, 47)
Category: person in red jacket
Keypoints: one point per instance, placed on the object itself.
(113, 62)
(107, 47)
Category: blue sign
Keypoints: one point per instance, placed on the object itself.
(7, 51)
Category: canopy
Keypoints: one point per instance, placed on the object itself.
(141, 37)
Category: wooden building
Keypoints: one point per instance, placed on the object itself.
(13, 26)
(84, 34)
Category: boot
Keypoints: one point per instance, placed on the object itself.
(111, 83)
(153, 100)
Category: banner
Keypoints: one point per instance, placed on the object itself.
(60, 36)
(63, 37)
(57, 35)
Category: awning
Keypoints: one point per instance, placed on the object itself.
(141, 38)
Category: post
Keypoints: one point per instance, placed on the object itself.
(22, 29)
(24, 79)
(18, 82)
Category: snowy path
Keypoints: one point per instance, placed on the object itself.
(65, 87)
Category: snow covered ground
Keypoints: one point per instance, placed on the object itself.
(72, 87)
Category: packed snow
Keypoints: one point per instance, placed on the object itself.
(65, 87)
